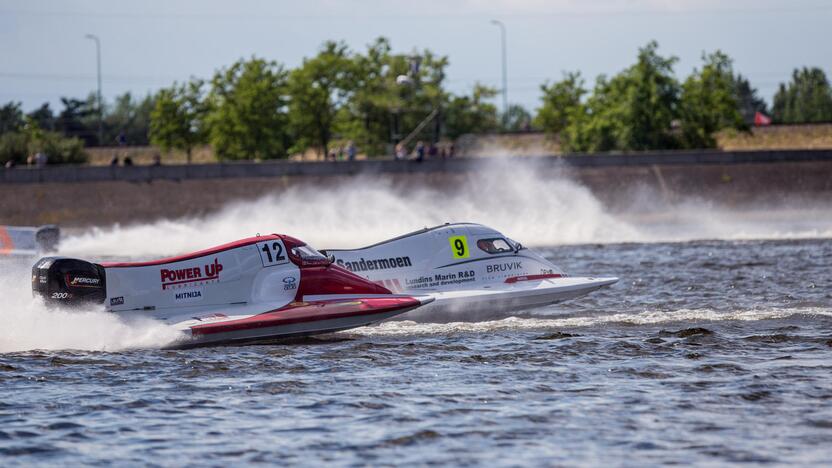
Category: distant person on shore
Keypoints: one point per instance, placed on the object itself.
(30, 160)
(351, 150)
(114, 160)
(332, 155)
(157, 160)
(10, 164)
(128, 161)
(451, 150)
(340, 154)
(420, 151)
(401, 152)
(41, 159)
(433, 151)
(121, 139)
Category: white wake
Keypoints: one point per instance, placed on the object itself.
(516, 199)
(647, 317)
(29, 325)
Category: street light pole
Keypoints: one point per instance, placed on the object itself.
(100, 102)
(505, 67)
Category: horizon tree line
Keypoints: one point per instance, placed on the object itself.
(259, 109)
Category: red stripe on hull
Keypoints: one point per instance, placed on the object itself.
(515, 279)
(309, 312)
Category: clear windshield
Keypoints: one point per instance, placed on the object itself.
(494, 246)
(308, 254)
(515, 245)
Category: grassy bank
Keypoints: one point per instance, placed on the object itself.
(818, 136)
(777, 137)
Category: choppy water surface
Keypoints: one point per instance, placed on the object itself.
(705, 352)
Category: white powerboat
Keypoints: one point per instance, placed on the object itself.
(472, 271)
(259, 288)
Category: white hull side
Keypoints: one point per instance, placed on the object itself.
(490, 304)
(493, 301)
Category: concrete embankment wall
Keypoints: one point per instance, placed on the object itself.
(82, 196)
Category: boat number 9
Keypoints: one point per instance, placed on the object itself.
(272, 253)
(459, 246)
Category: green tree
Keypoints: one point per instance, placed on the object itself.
(709, 102)
(318, 90)
(517, 119)
(425, 94)
(59, 149)
(11, 118)
(471, 114)
(247, 117)
(382, 109)
(177, 118)
(561, 101)
(30, 139)
(652, 94)
(597, 125)
(748, 101)
(130, 116)
(79, 118)
(632, 111)
(14, 146)
(806, 99)
(44, 117)
(368, 116)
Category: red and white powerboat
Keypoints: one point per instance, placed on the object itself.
(259, 288)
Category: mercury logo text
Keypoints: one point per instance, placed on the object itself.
(83, 281)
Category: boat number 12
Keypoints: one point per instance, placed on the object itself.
(459, 246)
(272, 253)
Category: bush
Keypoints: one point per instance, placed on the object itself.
(17, 146)
(59, 149)
(14, 146)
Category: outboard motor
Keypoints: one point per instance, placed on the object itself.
(68, 281)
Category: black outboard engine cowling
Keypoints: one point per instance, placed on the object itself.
(69, 281)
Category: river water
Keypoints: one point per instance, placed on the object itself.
(705, 352)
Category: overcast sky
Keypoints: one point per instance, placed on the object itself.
(149, 44)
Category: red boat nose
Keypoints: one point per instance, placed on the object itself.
(333, 279)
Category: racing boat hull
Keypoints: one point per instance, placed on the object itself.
(499, 301)
(473, 271)
(492, 304)
(299, 320)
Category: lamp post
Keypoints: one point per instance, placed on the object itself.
(100, 103)
(505, 66)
